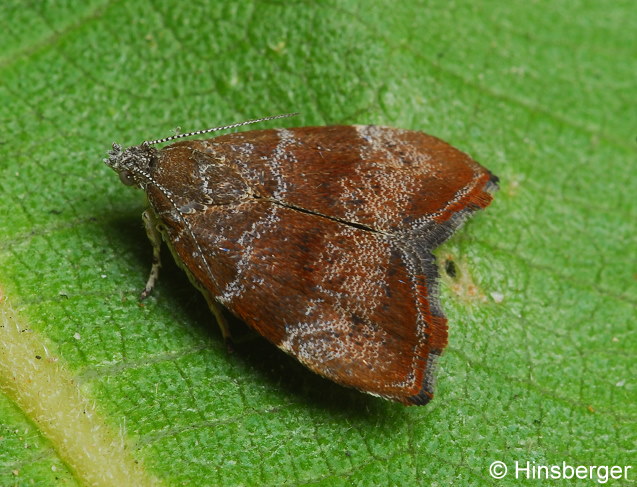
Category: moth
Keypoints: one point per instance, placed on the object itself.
(319, 238)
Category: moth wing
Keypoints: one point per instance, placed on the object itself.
(389, 179)
(323, 242)
(355, 306)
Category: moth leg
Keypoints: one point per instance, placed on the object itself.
(217, 310)
(155, 240)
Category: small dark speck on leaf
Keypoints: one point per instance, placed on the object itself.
(450, 268)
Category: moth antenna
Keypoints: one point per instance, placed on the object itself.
(216, 129)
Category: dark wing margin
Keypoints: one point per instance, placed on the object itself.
(418, 250)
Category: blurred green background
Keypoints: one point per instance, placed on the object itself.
(541, 363)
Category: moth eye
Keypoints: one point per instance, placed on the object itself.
(127, 178)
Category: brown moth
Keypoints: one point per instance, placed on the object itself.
(319, 238)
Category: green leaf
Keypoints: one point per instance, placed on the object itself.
(541, 361)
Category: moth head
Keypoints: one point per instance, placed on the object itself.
(131, 164)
